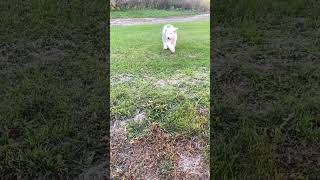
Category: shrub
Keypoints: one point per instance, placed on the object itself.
(200, 5)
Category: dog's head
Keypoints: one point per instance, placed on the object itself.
(170, 32)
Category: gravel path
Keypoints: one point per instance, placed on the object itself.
(137, 21)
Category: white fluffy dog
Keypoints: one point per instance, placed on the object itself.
(169, 37)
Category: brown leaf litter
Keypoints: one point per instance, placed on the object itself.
(157, 155)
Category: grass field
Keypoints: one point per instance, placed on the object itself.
(265, 113)
(150, 13)
(52, 89)
(171, 90)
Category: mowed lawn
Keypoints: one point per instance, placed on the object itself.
(169, 89)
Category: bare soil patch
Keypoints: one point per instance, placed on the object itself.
(25, 53)
(157, 155)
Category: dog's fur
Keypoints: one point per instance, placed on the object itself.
(169, 37)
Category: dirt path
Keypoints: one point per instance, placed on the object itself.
(137, 21)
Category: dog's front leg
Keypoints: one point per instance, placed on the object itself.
(171, 47)
(165, 45)
(164, 42)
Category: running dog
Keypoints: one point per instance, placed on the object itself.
(169, 37)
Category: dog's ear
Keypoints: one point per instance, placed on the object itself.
(175, 29)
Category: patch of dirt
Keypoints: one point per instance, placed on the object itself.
(97, 172)
(173, 81)
(142, 158)
(121, 78)
(118, 133)
(139, 117)
(203, 111)
(161, 83)
(296, 158)
(190, 164)
(180, 80)
(138, 21)
(117, 124)
(24, 53)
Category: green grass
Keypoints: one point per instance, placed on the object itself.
(52, 90)
(138, 63)
(150, 13)
(165, 168)
(265, 113)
